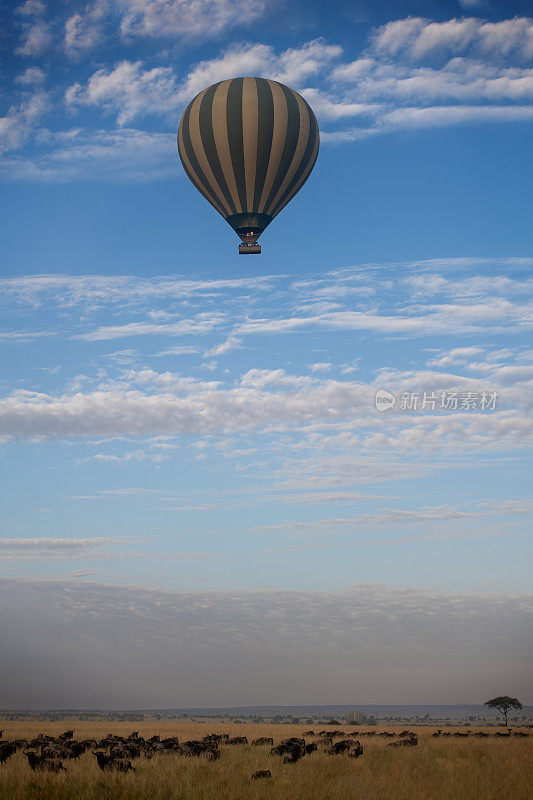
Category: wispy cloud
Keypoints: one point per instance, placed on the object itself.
(126, 155)
(202, 324)
(53, 549)
(99, 290)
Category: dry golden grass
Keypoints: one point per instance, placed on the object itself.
(438, 769)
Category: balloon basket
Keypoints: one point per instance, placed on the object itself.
(249, 249)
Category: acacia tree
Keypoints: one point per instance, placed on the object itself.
(504, 705)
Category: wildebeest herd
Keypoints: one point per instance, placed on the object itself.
(115, 753)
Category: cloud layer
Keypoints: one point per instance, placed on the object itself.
(413, 73)
(96, 645)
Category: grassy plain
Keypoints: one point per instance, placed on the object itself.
(438, 769)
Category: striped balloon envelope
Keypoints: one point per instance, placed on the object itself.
(248, 145)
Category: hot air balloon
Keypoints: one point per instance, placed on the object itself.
(248, 145)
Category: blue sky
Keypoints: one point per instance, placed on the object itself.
(177, 420)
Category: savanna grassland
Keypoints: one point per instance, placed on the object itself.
(437, 769)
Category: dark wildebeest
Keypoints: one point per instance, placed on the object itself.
(109, 764)
(216, 737)
(287, 745)
(43, 764)
(74, 750)
(412, 741)
(237, 740)
(196, 748)
(294, 754)
(263, 740)
(340, 747)
(191, 748)
(310, 748)
(212, 755)
(126, 750)
(7, 749)
(261, 773)
(292, 750)
(170, 743)
(65, 735)
(356, 751)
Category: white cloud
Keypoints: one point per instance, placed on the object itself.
(385, 89)
(36, 39)
(438, 116)
(125, 155)
(186, 18)
(231, 343)
(140, 455)
(457, 355)
(326, 528)
(129, 91)
(349, 525)
(50, 549)
(98, 290)
(465, 61)
(132, 92)
(432, 319)
(413, 118)
(297, 65)
(31, 76)
(327, 109)
(44, 543)
(460, 79)
(127, 397)
(31, 8)
(20, 337)
(246, 59)
(18, 124)
(202, 324)
(292, 66)
(85, 30)
(417, 38)
(480, 286)
(270, 400)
